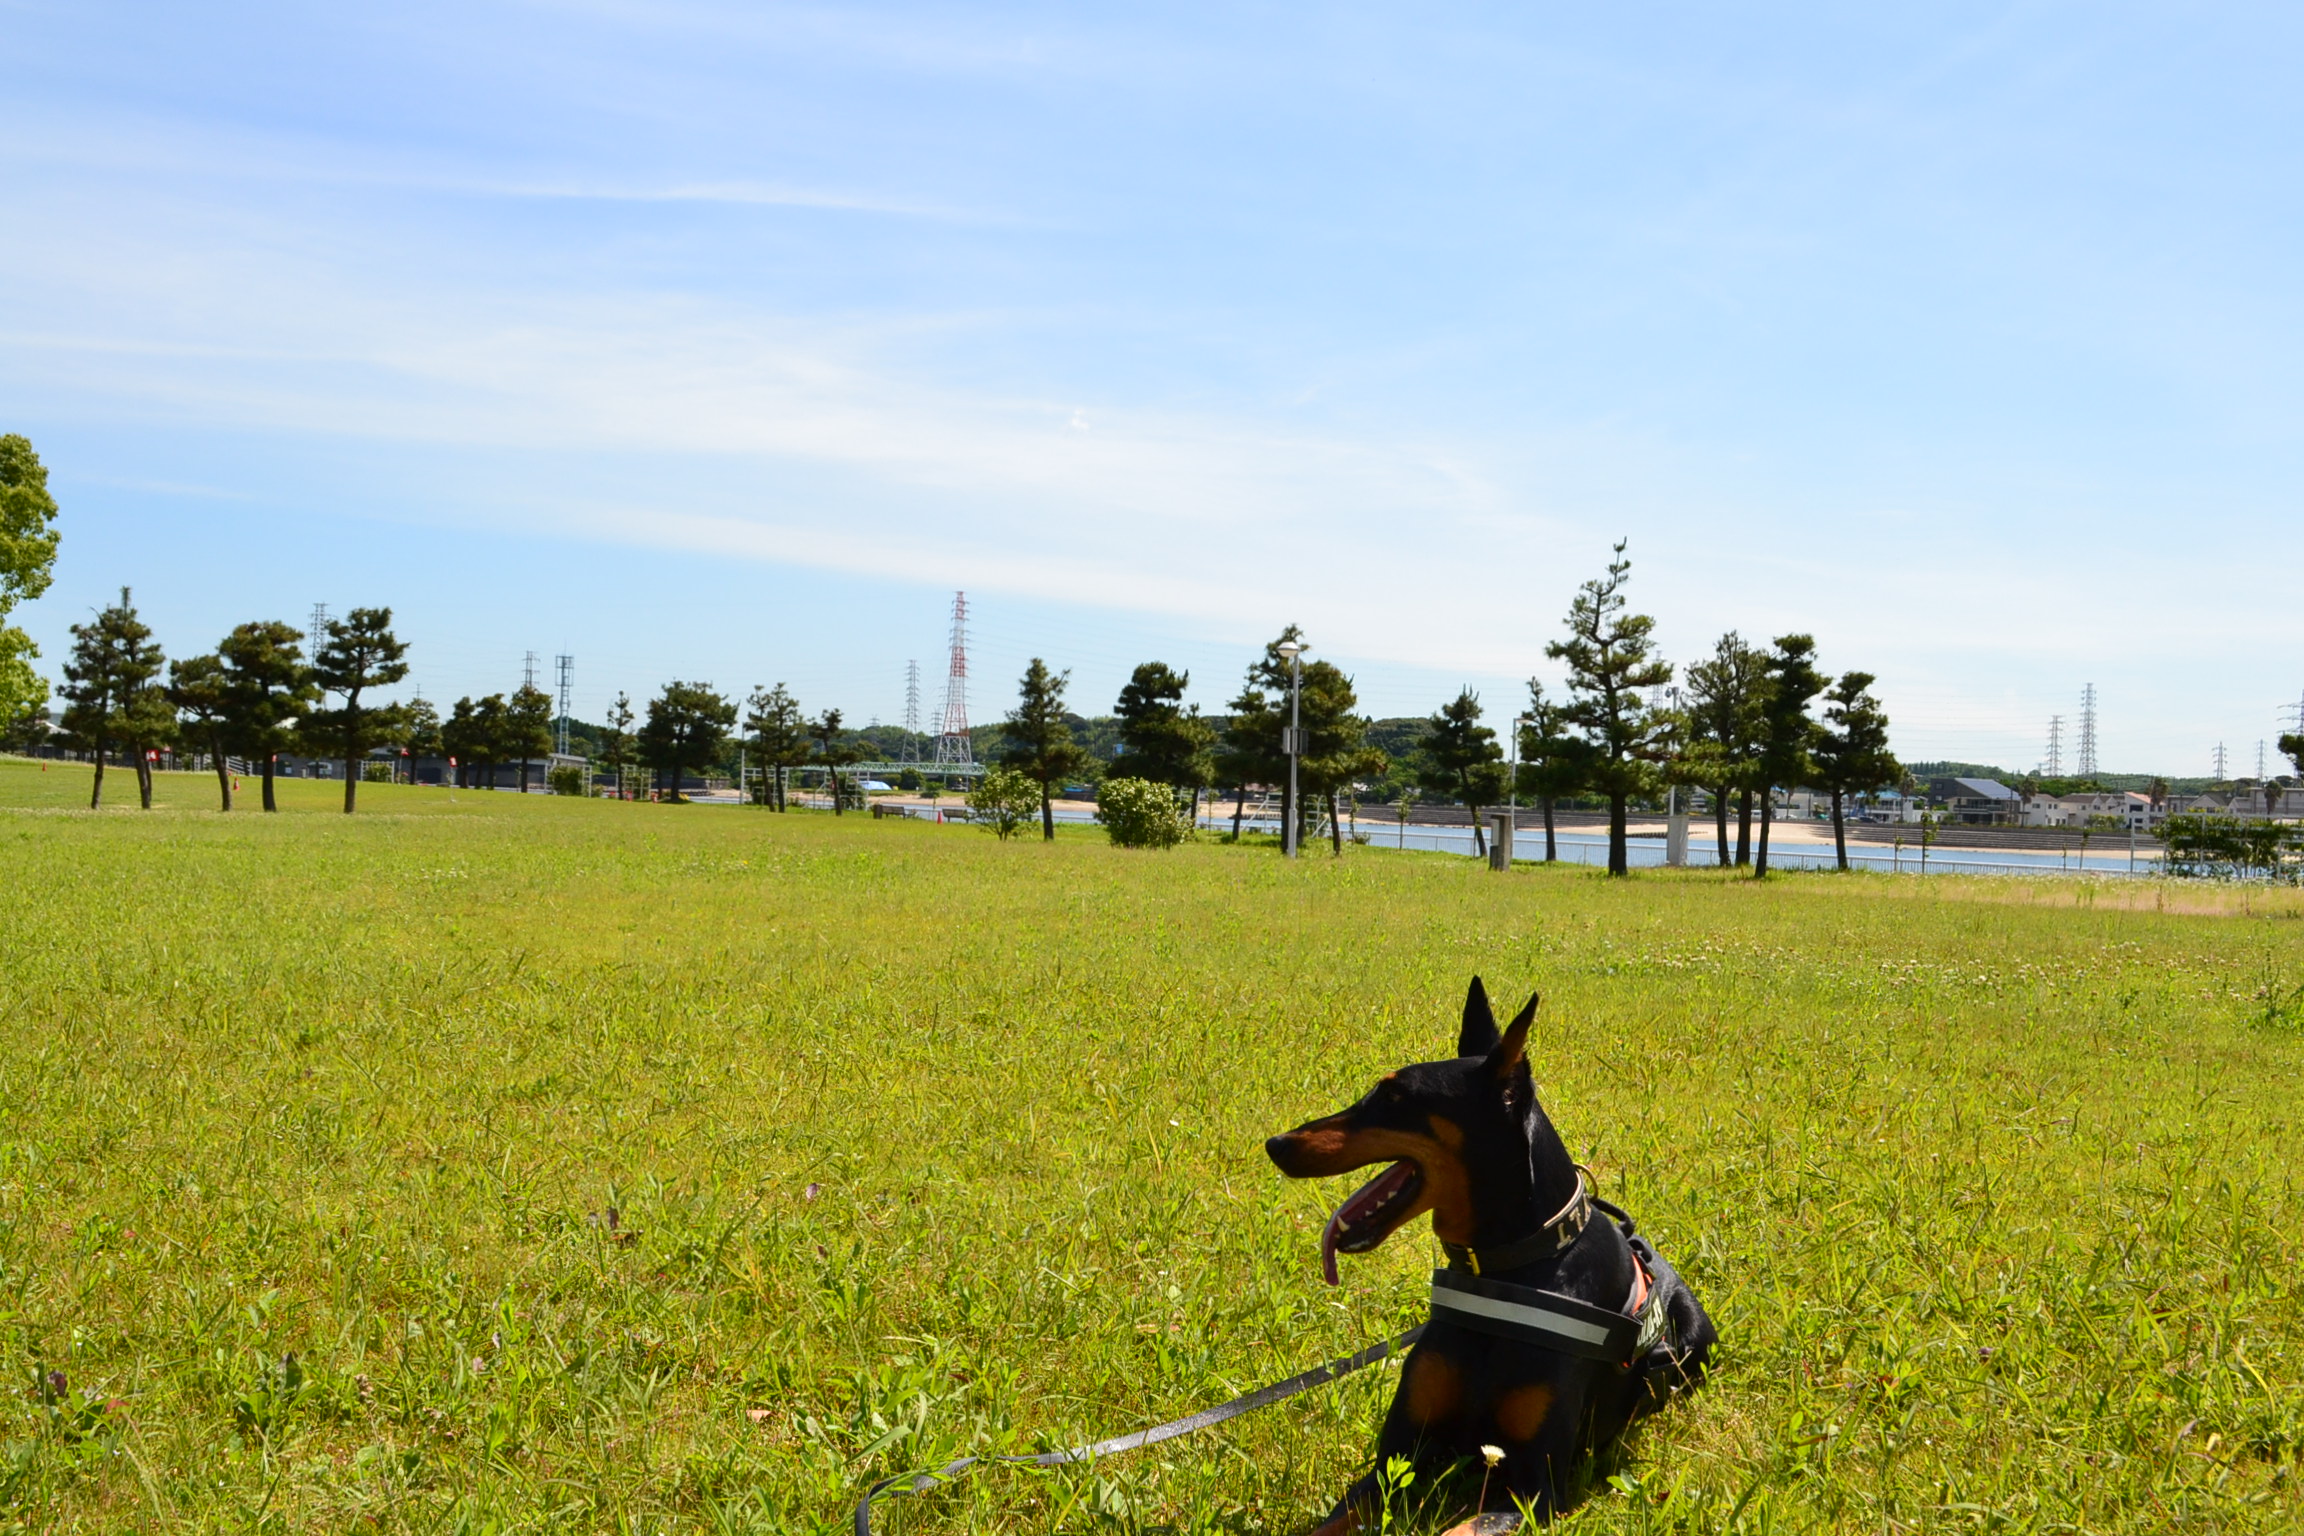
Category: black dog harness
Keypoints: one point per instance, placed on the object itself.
(1551, 1319)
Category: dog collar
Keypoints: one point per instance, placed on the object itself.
(1553, 1237)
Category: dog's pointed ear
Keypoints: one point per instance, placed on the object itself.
(1479, 1035)
(1511, 1052)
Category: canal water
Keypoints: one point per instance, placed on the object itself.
(1589, 846)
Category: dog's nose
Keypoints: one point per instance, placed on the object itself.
(1280, 1149)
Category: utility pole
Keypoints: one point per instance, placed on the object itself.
(2053, 768)
(2220, 762)
(1292, 742)
(528, 666)
(1675, 820)
(319, 629)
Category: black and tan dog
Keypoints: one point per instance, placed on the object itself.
(1551, 1331)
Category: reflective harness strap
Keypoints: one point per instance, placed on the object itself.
(1551, 1320)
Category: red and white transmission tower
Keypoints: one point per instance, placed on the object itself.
(952, 741)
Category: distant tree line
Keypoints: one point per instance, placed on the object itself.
(1750, 720)
(1747, 721)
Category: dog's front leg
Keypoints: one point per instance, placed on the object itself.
(1491, 1524)
(1356, 1511)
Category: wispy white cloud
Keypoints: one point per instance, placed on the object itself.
(181, 155)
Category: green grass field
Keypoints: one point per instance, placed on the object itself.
(449, 1168)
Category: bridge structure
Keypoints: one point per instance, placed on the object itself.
(948, 775)
(965, 773)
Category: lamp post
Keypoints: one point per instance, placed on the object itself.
(1512, 784)
(1292, 741)
(1675, 823)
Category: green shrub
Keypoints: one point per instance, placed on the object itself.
(1138, 813)
(1004, 802)
(2230, 847)
(566, 781)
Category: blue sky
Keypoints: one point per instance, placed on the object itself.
(726, 341)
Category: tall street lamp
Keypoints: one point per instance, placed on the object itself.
(1512, 784)
(1292, 740)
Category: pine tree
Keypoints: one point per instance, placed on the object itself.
(422, 738)
(147, 725)
(472, 736)
(1788, 735)
(197, 687)
(268, 688)
(1248, 747)
(360, 654)
(688, 724)
(835, 749)
(777, 732)
(1037, 741)
(1553, 760)
(616, 742)
(106, 683)
(1611, 666)
(526, 729)
(1460, 759)
(1727, 694)
(1336, 749)
(1160, 739)
(1852, 750)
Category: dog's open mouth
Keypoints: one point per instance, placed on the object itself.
(1368, 1217)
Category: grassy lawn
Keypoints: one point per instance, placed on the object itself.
(531, 1164)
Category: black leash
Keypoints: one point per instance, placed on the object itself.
(1319, 1375)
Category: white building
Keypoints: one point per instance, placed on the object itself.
(2130, 809)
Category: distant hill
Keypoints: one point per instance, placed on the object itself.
(2140, 782)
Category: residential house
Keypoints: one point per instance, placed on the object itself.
(2130, 809)
(1977, 802)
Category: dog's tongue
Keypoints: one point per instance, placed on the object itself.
(1364, 1200)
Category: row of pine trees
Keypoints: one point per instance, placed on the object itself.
(1744, 724)
(1741, 726)
(255, 696)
